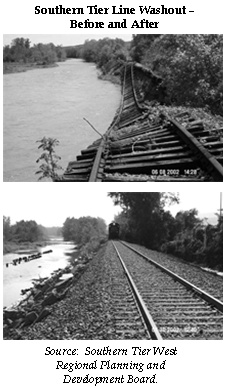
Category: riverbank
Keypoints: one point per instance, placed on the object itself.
(110, 78)
(17, 67)
(40, 300)
(15, 247)
(76, 303)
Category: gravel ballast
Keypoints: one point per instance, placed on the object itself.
(87, 311)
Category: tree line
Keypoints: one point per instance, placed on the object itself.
(27, 231)
(191, 66)
(85, 231)
(144, 220)
(81, 231)
(22, 231)
(21, 51)
(106, 53)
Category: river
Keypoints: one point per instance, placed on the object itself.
(52, 102)
(16, 278)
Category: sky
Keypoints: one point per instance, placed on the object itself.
(63, 39)
(50, 207)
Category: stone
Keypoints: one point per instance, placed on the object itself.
(30, 318)
(38, 295)
(44, 313)
(50, 299)
(62, 284)
(13, 314)
(78, 268)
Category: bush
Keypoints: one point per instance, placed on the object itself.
(191, 67)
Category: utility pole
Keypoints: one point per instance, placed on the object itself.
(220, 209)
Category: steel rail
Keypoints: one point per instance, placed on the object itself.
(149, 322)
(214, 167)
(202, 294)
(197, 162)
(96, 164)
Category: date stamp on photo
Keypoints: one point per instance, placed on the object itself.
(173, 172)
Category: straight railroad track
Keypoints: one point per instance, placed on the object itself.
(137, 147)
(168, 306)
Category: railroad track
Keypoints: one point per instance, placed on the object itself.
(137, 147)
(170, 307)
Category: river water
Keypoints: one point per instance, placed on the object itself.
(16, 278)
(52, 102)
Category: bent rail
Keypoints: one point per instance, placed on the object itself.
(139, 148)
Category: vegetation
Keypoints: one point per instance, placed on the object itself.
(53, 231)
(88, 232)
(26, 234)
(144, 218)
(20, 55)
(145, 221)
(23, 232)
(107, 53)
(191, 67)
(73, 51)
(49, 167)
(196, 241)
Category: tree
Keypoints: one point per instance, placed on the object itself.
(140, 44)
(61, 53)
(20, 50)
(89, 232)
(104, 52)
(187, 220)
(145, 216)
(6, 228)
(191, 67)
(27, 231)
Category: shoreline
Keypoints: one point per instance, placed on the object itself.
(37, 301)
(22, 248)
(13, 68)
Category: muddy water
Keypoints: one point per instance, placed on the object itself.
(16, 278)
(52, 102)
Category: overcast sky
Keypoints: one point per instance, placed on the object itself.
(50, 206)
(64, 39)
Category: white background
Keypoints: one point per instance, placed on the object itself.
(198, 363)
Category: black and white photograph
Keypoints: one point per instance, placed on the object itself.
(113, 108)
(103, 287)
(125, 266)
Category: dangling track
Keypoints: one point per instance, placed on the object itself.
(136, 147)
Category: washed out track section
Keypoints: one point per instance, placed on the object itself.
(178, 312)
(139, 147)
